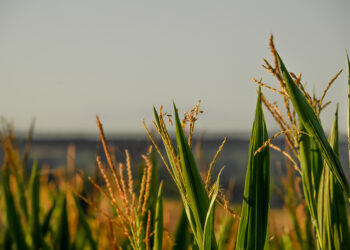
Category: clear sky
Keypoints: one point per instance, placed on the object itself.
(65, 61)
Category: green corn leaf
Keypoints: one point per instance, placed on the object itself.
(34, 194)
(85, 225)
(286, 242)
(309, 230)
(224, 234)
(12, 216)
(20, 183)
(314, 128)
(152, 199)
(46, 223)
(305, 164)
(62, 235)
(317, 166)
(209, 221)
(307, 170)
(80, 240)
(252, 228)
(158, 220)
(332, 212)
(193, 184)
(182, 234)
(6, 240)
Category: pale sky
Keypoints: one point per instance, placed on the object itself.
(65, 61)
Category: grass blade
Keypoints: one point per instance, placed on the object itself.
(254, 218)
(158, 220)
(313, 127)
(332, 212)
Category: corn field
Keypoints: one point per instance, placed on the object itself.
(43, 208)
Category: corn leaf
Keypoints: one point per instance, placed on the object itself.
(209, 221)
(313, 127)
(158, 220)
(46, 223)
(80, 240)
(21, 194)
(286, 242)
(62, 234)
(307, 172)
(85, 225)
(224, 234)
(317, 166)
(34, 192)
(12, 216)
(305, 164)
(6, 240)
(332, 212)
(193, 184)
(252, 230)
(182, 234)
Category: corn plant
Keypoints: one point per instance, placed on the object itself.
(182, 236)
(28, 225)
(199, 203)
(252, 231)
(133, 211)
(312, 154)
(331, 210)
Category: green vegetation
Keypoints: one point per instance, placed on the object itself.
(43, 208)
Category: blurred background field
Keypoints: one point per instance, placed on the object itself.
(52, 152)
